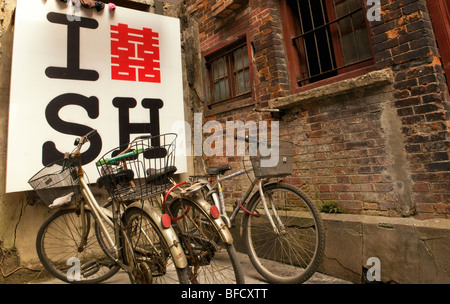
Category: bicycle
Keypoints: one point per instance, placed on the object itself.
(281, 227)
(100, 240)
(137, 174)
(205, 238)
(209, 260)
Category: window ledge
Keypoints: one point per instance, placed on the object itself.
(369, 80)
(229, 106)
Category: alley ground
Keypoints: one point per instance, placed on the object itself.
(251, 276)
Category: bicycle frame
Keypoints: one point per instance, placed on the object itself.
(216, 192)
(217, 187)
(102, 216)
(112, 226)
(201, 203)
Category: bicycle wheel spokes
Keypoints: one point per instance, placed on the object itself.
(150, 249)
(70, 255)
(290, 253)
(210, 260)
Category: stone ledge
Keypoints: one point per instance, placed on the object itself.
(369, 80)
(410, 251)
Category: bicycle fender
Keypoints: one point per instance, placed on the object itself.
(169, 234)
(219, 224)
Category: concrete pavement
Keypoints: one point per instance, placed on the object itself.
(251, 276)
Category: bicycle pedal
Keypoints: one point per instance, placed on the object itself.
(90, 268)
(90, 273)
(88, 265)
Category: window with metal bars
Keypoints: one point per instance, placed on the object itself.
(330, 37)
(229, 74)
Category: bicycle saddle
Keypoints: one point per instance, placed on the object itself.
(217, 170)
(114, 179)
(160, 176)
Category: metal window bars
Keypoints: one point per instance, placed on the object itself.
(321, 42)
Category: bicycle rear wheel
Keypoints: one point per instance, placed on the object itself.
(291, 254)
(210, 260)
(151, 249)
(59, 245)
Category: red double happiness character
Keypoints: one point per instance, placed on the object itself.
(135, 54)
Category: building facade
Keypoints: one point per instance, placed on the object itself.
(364, 101)
(361, 88)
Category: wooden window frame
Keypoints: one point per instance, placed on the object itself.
(236, 100)
(296, 67)
(440, 17)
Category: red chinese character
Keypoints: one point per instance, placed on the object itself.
(135, 54)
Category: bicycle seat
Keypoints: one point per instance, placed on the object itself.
(217, 170)
(115, 178)
(160, 176)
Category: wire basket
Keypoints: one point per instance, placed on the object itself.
(141, 170)
(57, 184)
(282, 154)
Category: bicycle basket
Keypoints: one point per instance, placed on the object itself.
(282, 154)
(141, 170)
(55, 184)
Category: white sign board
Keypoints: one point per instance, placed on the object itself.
(76, 69)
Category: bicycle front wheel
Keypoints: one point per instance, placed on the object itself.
(289, 250)
(210, 260)
(67, 247)
(151, 249)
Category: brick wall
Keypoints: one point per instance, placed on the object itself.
(404, 40)
(378, 150)
(348, 152)
(260, 21)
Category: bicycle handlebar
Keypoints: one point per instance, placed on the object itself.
(124, 154)
(80, 141)
(91, 133)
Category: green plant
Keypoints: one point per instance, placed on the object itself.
(330, 207)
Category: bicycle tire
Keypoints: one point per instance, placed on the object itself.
(58, 240)
(210, 260)
(140, 273)
(150, 247)
(292, 255)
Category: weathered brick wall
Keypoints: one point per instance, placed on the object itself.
(258, 19)
(348, 152)
(404, 40)
(380, 150)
